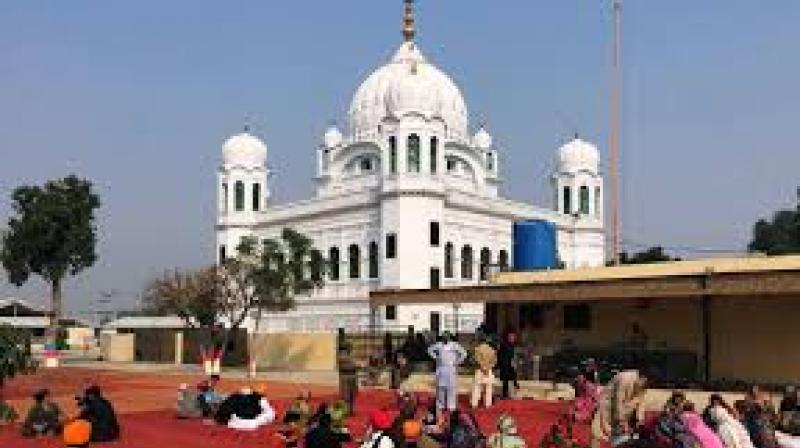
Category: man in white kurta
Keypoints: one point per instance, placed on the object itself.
(448, 354)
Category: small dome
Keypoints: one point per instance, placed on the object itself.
(482, 139)
(578, 155)
(408, 84)
(333, 137)
(244, 150)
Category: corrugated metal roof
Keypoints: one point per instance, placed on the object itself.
(38, 321)
(146, 322)
(665, 269)
(11, 301)
(25, 321)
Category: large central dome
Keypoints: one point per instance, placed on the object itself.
(408, 85)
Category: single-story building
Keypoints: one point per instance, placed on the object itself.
(728, 319)
(20, 313)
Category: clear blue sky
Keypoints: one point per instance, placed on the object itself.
(138, 96)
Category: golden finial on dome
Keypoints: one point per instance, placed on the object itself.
(408, 21)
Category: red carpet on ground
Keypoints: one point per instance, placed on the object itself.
(144, 402)
(160, 429)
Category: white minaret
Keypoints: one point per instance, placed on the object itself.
(578, 186)
(242, 190)
(578, 198)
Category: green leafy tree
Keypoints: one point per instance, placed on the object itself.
(15, 353)
(264, 276)
(778, 236)
(52, 234)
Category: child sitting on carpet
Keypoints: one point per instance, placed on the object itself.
(295, 420)
(506, 435)
(299, 410)
(44, 417)
(209, 399)
(324, 435)
(434, 432)
(188, 405)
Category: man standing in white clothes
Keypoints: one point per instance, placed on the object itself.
(448, 354)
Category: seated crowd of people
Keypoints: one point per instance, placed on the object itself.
(406, 425)
(615, 413)
(618, 417)
(750, 423)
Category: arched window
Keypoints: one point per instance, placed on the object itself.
(448, 260)
(373, 260)
(597, 205)
(256, 197)
(413, 153)
(316, 265)
(502, 259)
(486, 260)
(391, 245)
(490, 161)
(333, 259)
(238, 193)
(224, 199)
(222, 254)
(466, 262)
(434, 153)
(584, 197)
(393, 154)
(365, 164)
(567, 200)
(354, 258)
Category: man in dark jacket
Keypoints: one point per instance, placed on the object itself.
(100, 413)
(505, 363)
(348, 377)
(323, 436)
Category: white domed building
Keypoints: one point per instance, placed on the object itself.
(406, 197)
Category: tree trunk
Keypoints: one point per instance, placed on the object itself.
(251, 358)
(252, 353)
(51, 341)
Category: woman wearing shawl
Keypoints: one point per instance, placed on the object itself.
(731, 431)
(245, 410)
(587, 394)
(619, 408)
(701, 432)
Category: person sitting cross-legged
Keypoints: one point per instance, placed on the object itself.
(246, 410)
(324, 435)
(506, 435)
(694, 423)
(208, 397)
(44, 418)
(730, 430)
(188, 404)
(98, 411)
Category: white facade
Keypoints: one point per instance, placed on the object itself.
(405, 169)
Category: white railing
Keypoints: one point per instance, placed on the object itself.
(357, 323)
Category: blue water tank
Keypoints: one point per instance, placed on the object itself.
(534, 245)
